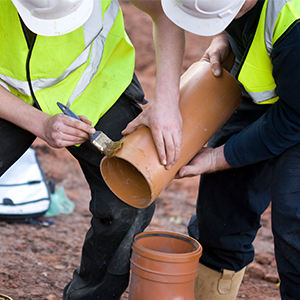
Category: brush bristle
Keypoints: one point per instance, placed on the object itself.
(112, 149)
(105, 145)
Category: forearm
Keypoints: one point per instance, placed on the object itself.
(20, 113)
(58, 131)
(169, 49)
(162, 114)
(274, 132)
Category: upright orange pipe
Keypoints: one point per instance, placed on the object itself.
(135, 174)
(164, 266)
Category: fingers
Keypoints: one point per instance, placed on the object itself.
(61, 140)
(160, 146)
(85, 120)
(187, 171)
(168, 145)
(207, 160)
(163, 140)
(214, 59)
(197, 166)
(76, 127)
(216, 67)
(132, 126)
(64, 131)
(165, 129)
(173, 147)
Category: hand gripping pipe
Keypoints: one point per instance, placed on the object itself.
(135, 174)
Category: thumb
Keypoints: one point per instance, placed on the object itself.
(132, 126)
(216, 68)
(187, 171)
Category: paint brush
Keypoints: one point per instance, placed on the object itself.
(99, 139)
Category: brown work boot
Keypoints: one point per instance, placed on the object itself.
(214, 285)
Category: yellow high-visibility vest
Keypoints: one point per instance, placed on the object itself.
(277, 18)
(87, 69)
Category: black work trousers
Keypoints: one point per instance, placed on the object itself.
(104, 270)
(230, 204)
(105, 263)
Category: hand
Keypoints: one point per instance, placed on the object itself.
(63, 131)
(219, 54)
(58, 131)
(207, 160)
(165, 123)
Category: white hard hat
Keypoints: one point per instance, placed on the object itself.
(53, 17)
(202, 17)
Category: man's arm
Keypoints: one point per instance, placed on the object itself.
(279, 128)
(274, 132)
(162, 115)
(58, 131)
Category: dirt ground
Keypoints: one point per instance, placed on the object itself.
(37, 262)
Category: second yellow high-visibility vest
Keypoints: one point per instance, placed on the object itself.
(276, 19)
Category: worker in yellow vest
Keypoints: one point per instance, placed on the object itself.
(77, 52)
(253, 160)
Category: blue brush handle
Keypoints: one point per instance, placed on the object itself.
(67, 111)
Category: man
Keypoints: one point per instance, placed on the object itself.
(77, 52)
(253, 160)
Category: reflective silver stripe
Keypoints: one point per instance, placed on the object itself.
(91, 30)
(262, 96)
(273, 10)
(21, 86)
(93, 26)
(4, 85)
(96, 51)
(94, 35)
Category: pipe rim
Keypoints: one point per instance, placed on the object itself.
(136, 201)
(167, 257)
